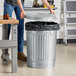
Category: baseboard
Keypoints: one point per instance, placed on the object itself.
(25, 42)
(59, 41)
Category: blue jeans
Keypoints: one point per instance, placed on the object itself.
(8, 9)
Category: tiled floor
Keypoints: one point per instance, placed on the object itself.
(65, 64)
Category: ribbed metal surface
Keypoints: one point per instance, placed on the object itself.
(71, 5)
(72, 32)
(41, 48)
(71, 20)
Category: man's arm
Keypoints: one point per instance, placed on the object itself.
(48, 5)
(22, 10)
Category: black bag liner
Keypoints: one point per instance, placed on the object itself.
(41, 26)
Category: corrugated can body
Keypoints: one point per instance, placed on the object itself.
(41, 49)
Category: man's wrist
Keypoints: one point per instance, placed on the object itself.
(50, 9)
(22, 10)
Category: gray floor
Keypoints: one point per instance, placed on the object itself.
(65, 64)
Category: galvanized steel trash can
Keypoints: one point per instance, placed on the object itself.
(41, 44)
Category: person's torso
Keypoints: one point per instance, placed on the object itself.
(13, 2)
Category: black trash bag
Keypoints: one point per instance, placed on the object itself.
(41, 26)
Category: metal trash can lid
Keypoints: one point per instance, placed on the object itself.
(41, 17)
(41, 26)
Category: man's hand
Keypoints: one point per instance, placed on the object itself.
(52, 11)
(21, 7)
(22, 15)
(48, 5)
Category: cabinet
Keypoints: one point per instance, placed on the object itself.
(69, 19)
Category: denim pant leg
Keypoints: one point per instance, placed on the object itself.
(20, 29)
(8, 9)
